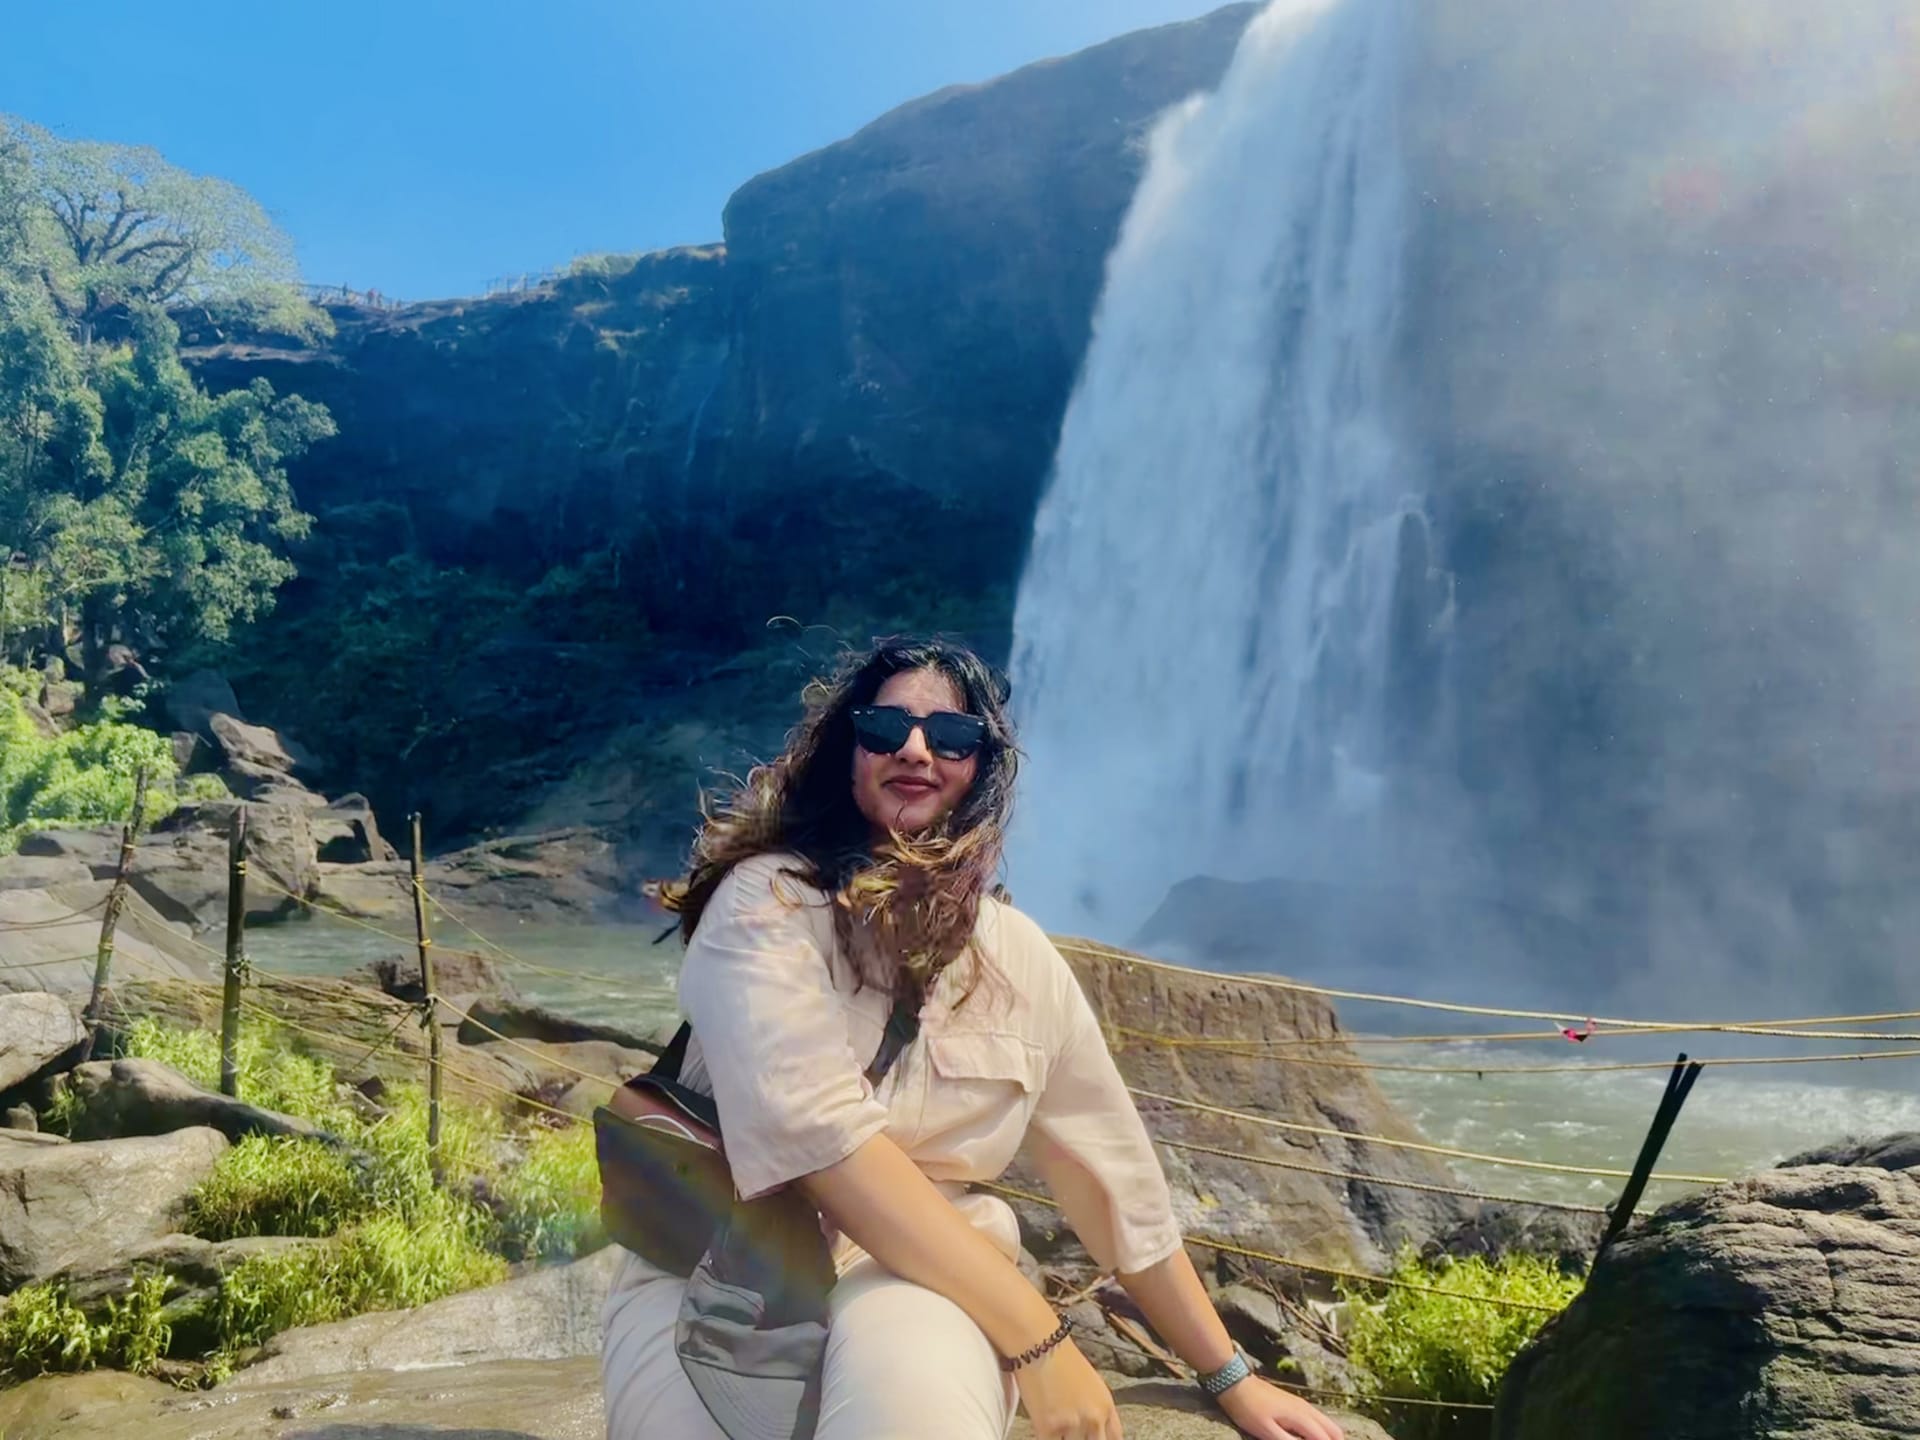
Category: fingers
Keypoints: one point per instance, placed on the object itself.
(1112, 1430)
(1310, 1424)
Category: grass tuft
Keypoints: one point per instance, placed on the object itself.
(1445, 1346)
(396, 1235)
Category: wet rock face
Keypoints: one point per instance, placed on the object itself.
(1783, 1304)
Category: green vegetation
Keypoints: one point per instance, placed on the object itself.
(393, 1237)
(84, 776)
(111, 226)
(135, 508)
(41, 1332)
(1445, 1346)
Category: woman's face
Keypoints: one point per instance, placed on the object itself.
(912, 788)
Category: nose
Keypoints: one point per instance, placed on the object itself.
(916, 750)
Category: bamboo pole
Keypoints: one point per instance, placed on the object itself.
(430, 1002)
(236, 965)
(116, 902)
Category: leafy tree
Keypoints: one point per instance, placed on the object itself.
(114, 228)
(134, 506)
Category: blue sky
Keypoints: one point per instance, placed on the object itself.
(423, 147)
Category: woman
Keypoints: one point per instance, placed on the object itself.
(852, 870)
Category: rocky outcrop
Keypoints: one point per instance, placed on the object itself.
(549, 1314)
(191, 702)
(144, 1097)
(548, 874)
(181, 868)
(48, 936)
(1783, 1304)
(346, 833)
(911, 304)
(36, 1028)
(504, 1400)
(1292, 1212)
(67, 1205)
(894, 321)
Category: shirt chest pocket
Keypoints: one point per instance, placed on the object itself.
(982, 1088)
(989, 1060)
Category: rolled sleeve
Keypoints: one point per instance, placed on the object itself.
(1092, 1149)
(757, 988)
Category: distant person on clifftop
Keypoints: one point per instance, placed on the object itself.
(838, 907)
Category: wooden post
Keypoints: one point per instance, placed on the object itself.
(116, 902)
(236, 966)
(430, 1003)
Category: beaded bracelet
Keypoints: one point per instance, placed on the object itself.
(1046, 1346)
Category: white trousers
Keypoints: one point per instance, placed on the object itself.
(902, 1363)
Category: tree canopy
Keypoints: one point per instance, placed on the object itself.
(135, 507)
(113, 227)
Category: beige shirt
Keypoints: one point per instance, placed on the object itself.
(781, 1036)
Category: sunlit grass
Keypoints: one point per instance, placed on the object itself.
(397, 1223)
(1448, 1346)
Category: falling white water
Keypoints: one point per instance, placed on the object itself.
(1201, 634)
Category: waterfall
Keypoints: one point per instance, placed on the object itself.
(1201, 636)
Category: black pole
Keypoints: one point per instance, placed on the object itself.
(1679, 1085)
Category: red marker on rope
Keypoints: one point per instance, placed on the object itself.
(1579, 1037)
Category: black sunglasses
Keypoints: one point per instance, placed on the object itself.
(883, 729)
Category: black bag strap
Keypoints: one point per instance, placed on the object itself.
(903, 1025)
(667, 1067)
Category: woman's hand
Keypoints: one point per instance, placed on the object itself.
(1065, 1397)
(1269, 1413)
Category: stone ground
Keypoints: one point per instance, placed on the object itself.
(504, 1400)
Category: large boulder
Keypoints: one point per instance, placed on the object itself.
(145, 1097)
(181, 867)
(256, 749)
(551, 873)
(1293, 1212)
(42, 872)
(346, 833)
(191, 702)
(36, 1027)
(380, 891)
(97, 849)
(545, 1315)
(48, 939)
(1783, 1304)
(522, 1020)
(66, 1205)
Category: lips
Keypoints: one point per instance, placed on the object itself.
(912, 789)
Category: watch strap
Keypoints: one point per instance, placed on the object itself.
(1217, 1382)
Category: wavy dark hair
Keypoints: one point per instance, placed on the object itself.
(911, 900)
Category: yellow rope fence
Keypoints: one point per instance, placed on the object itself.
(1790, 1028)
(1229, 1048)
(1418, 1146)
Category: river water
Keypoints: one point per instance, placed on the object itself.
(1738, 1118)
